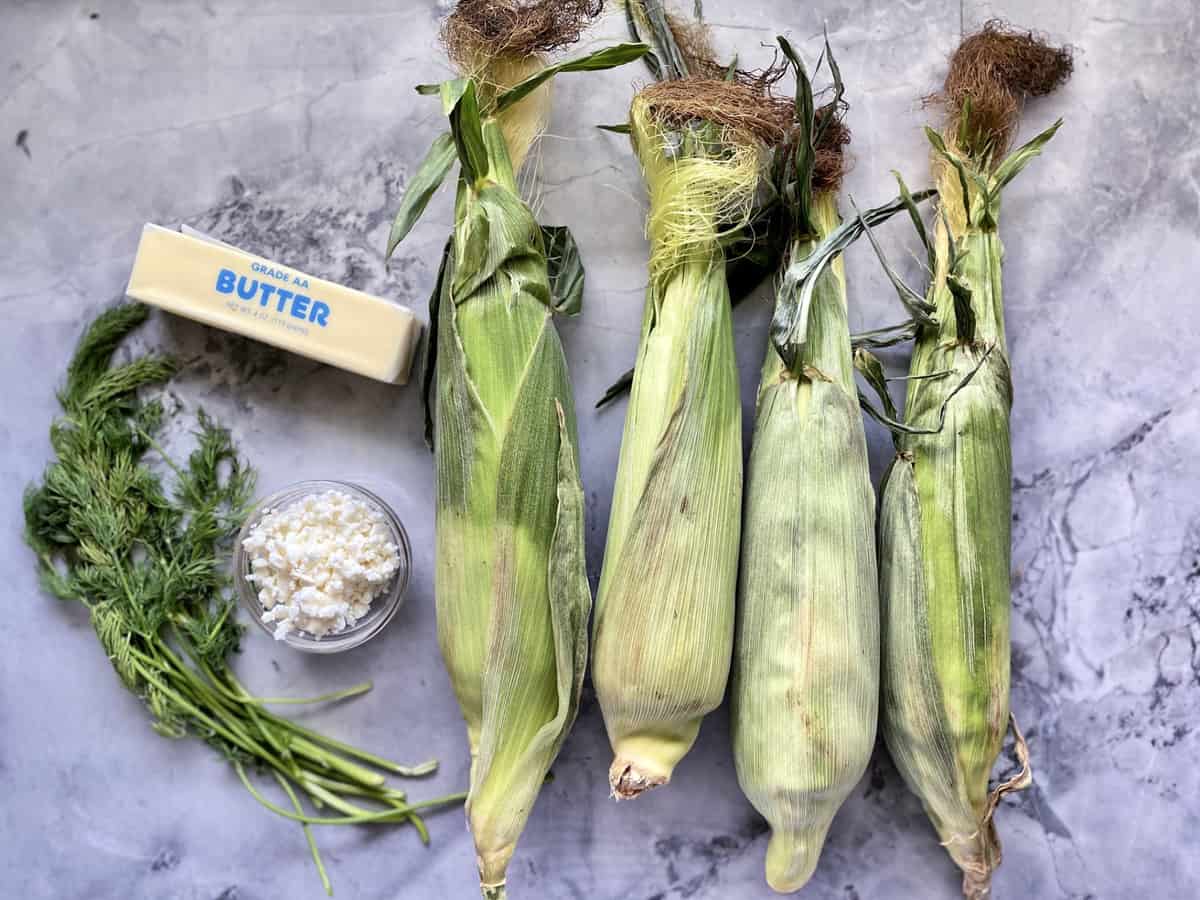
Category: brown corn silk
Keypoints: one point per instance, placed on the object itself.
(945, 516)
(480, 30)
(664, 612)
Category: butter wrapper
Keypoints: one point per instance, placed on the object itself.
(218, 284)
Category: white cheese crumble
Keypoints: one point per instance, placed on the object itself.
(319, 562)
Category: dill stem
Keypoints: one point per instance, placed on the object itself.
(345, 693)
(302, 747)
(344, 806)
(399, 814)
(202, 693)
(232, 731)
(158, 448)
(308, 835)
(384, 794)
(349, 750)
(298, 745)
(235, 735)
(239, 693)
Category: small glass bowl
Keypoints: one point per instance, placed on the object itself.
(383, 607)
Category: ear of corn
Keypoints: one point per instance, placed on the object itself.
(664, 623)
(512, 593)
(944, 549)
(806, 663)
(944, 530)
(806, 658)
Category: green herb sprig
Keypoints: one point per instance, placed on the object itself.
(150, 567)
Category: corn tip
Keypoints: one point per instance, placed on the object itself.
(977, 885)
(791, 861)
(629, 779)
(493, 871)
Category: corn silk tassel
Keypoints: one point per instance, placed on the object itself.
(512, 593)
(665, 607)
(806, 658)
(945, 517)
(683, 48)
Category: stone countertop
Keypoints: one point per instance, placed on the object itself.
(289, 128)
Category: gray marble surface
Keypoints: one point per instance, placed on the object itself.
(290, 128)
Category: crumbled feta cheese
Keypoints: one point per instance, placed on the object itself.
(319, 562)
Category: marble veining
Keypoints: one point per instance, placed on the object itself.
(290, 128)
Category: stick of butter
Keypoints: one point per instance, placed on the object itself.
(221, 285)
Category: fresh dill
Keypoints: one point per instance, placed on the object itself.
(149, 562)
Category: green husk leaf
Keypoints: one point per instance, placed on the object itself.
(888, 336)
(964, 138)
(421, 187)
(898, 427)
(803, 98)
(919, 309)
(467, 128)
(452, 92)
(431, 341)
(498, 229)
(606, 58)
(871, 369)
(918, 223)
(964, 312)
(798, 178)
(564, 268)
(1016, 161)
(623, 383)
(839, 91)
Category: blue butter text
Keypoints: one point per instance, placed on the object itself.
(299, 306)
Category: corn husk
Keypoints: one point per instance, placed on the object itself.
(806, 659)
(944, 525)
(944, 560)
(512, 594)
(665, 607)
